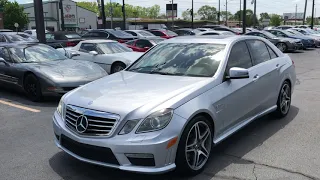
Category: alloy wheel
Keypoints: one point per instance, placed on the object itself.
(198, 145)
(285, 97)
(282, 47)
(118, 68)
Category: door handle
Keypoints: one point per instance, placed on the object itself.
(255, 78)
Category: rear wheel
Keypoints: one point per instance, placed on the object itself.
(194, 147)
(284, 100)
(32, 88)
(118, 66)
(282, 47)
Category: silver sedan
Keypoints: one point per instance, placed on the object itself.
(171, 106)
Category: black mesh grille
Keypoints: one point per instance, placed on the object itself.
(96, 153)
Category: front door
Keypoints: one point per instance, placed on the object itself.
(7, 69)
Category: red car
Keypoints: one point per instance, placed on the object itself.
(167, 34)
(142, 45)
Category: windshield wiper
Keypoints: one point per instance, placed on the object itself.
(166, 73)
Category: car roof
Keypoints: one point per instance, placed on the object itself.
(22, 44)
(208, 39)
(137, 30)
(97, 41)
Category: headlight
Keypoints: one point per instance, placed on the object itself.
(61, 108)
(156, 121)
(127, 128)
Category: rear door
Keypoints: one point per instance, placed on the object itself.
(266, 71)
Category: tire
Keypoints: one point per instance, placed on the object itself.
(284, 101)
(118, 66)
(185, 161)
(32, 88)
(282, 47)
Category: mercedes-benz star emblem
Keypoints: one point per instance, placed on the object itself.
(82, 124)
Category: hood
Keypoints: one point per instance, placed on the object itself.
(132, 56)
(132, 93)
(67, 68)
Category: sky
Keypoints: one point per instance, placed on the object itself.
(269, 6)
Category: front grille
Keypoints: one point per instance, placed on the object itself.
(99, 123)
(96, 153)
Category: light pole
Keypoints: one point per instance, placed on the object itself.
(244, 16)
(124, 15)
(226, 13)
(111, 15)
(103, 16)
(172, 14)
(192, 15)
(219, 14)
(240, 15)
(312, 16)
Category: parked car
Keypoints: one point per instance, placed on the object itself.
(111, 55)
(211, 26)
(26, 36)
(204, 29)
(33, 32)
(60, 39)
(225, 28)
(282, 43)
(268, 28)
(315, 37)
(307, 42)
(303, 26)
(284, 27)
(187, 32)
(173, 104)
(84, 31)
(40, 70)
(163, 33)
(140, 33)
(112, 34)
(225, 33)
(142, 45)
(11, 37)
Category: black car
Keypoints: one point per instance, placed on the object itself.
(117, 35)
(283, 44)
(187, 32)
(62, 39)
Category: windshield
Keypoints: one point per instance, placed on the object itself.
(181, 59)
(296, 32)
(73, 36)
(270, 35)
(196, 31)
(145, 33)
(171, 33)
(37, 53)
(119, 33)
(15, 37)
(113, 47)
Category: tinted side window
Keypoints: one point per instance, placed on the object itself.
(143, 44)
(4, 53)
(258, 51)
(239, 57)
(132, 33)
(262, 35)
(210, 33)
(157, 33)
(87, 47)
(272, 53)
(130, 43)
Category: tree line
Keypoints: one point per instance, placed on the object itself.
(13, 13)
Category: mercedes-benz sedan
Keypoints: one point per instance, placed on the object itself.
(174, 103)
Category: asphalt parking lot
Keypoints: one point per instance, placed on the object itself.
(266, 149)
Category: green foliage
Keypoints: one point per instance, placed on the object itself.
(208, 13)
(315, 21)
(13, 13)
(230, 16)
(264, 16)
(275, 20)
(249, 16)
(2, 3)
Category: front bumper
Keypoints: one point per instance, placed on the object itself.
(154, 143)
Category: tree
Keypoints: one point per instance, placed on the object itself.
(224, 13)
(275, 20)
(315, 20)
(186, 15)
(208, 13)
(92, 6)
(3, 2)
(154, 11)
(249, 16)
(264, 16)
(14, 13)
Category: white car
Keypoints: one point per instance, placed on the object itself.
(112, 56)
(225, 33)
(33, 32)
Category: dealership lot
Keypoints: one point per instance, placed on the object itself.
(266, 149)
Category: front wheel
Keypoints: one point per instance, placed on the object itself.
(284, 101)
(194, 147)
(32, 88)
(282, 47)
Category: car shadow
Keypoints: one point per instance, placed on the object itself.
(296, 52)
(12, 95)
(242, 142)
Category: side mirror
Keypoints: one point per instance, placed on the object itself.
(73, 54)
(3, 61)
(238, 73)
(93, 53)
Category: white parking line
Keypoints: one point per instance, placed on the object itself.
(19, 106)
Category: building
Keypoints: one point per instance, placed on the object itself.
(75, 17)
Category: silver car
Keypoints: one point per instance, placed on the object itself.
(172, 105)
